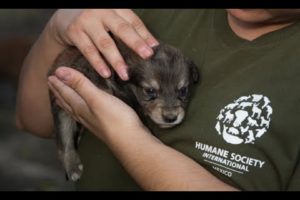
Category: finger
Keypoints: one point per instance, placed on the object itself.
(139, 26)
(62, 105)
(84, 88)
(125, 31)
(91, 53)
(109, 50)
(76, 115)
(59, 100)
(77, 105)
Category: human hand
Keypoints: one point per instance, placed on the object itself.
(97, 110)
(88, 31)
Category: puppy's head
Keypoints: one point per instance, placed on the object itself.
(162, 84)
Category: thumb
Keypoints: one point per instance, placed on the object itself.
(78, 82)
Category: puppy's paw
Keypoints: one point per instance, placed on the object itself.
(75, 172)
(73, 166)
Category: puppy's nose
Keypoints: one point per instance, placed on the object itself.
(169, 118)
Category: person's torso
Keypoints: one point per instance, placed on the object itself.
(242, 123)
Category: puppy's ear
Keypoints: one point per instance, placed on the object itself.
(133, 61)
(130, 57)
(194, 72)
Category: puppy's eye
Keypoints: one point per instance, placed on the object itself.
(182, 92)
(151, 93)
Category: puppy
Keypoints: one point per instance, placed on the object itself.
(158, 88)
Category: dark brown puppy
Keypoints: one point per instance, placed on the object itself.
(158, 88)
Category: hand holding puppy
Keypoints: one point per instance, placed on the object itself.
(92, 107)
(89, 29)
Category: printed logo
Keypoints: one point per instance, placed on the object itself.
(245, 120)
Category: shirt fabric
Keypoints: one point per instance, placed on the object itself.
(243, 121)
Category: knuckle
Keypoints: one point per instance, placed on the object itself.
(138, 24)
(105, 42)
(89, 50)
(85, 14)
(122, 27)
(78, 83)
(73, 29)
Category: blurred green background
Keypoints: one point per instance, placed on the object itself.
(26, 162)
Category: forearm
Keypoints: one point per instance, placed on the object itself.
(33, 112)
(156, 166)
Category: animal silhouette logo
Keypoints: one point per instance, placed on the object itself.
(245, 119)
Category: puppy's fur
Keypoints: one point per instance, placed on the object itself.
(159, 89)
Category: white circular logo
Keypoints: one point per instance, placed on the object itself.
(245, 120)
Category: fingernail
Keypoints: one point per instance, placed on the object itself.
(152, 42)
(105, 73)
(145, 51)
(64, 75)
(124, 74)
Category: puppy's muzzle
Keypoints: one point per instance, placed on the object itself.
(169, 115)
(169, 118)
